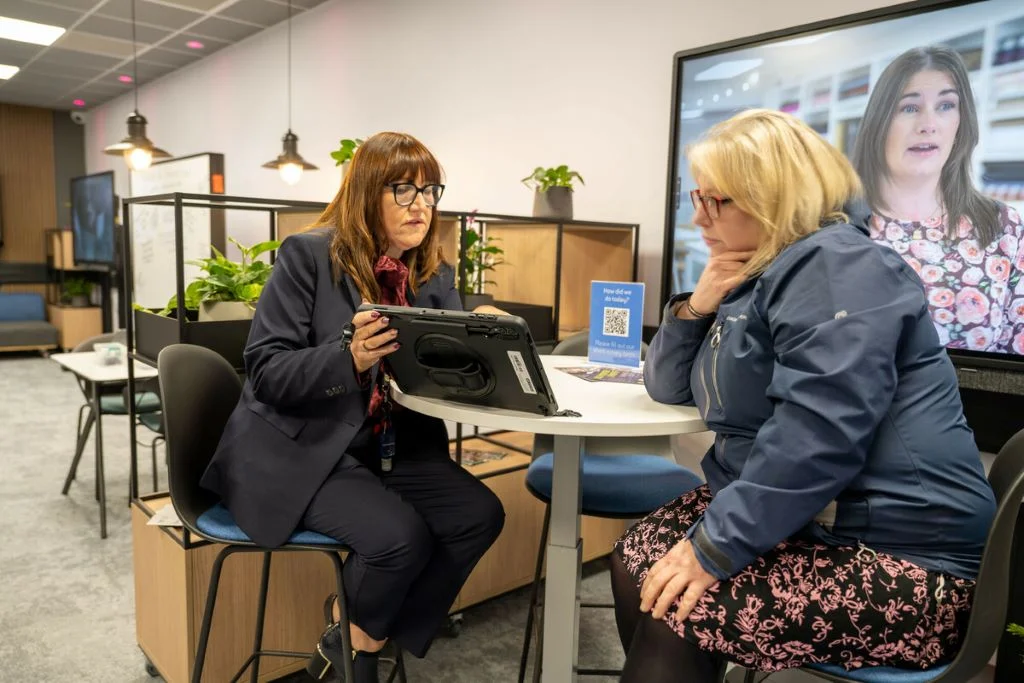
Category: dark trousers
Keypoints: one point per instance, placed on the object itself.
(416, 532)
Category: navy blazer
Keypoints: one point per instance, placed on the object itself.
(302, 403)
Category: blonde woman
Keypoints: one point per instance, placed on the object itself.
(846, 507)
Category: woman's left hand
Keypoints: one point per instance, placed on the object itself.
(489, 309)
(677, 573)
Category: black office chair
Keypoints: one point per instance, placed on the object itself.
(113, 401)
(199, 390)
(991, 591)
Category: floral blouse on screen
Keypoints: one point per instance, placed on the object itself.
(975, 295)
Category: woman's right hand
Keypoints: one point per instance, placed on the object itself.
(371, 340)
(721, 276)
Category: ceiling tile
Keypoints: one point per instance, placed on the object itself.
(259, 12)
(45, 73)
(114, 28)
(41, 101)
(88, 43)
(25, 86)
(55, 63)
(224, 29)
(149, 72)
(42, 14)
(79, 5)
(158, 55)
(304, 4)
(81, 59)
(149, 13)
(200, 5)
(18, 54)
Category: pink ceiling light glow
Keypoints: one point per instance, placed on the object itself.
(78, 103)
(124, 78)
(194, 45)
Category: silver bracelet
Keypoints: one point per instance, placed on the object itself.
(695, 313)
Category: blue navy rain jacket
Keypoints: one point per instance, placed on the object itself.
(835, 408)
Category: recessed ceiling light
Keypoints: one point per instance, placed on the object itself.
(6, 71)
(729, 69)
(194, 45)
(124, 78)
(29, 31)
(746, 86)
(78, 103)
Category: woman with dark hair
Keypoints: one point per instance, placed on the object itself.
(913, 154)
(315, 442)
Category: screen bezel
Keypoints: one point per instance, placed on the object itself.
(111, 264)
(960, 357)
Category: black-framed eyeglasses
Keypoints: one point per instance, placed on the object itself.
(712, 205)
(405, 193)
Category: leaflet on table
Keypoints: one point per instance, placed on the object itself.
(595, 373)
(616, 323)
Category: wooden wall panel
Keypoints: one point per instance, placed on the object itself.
(27, 179)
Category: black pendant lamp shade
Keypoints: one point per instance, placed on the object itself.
(138, 150)
(289, 163)
(136, 139)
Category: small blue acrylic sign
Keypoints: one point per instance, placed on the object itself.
(616, 322)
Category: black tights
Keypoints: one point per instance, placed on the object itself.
(654, 652)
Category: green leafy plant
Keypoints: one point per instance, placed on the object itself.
(543, 179)
(346, 151)
(77, 286)
(1017, 630)
(479, 256)
(227, 280)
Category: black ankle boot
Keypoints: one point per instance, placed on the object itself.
(330, 654)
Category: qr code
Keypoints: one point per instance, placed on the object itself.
(616, 322)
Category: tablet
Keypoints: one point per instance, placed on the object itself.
(475, 358)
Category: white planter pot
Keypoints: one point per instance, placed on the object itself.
(225, 310)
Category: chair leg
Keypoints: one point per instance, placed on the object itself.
(156, 474)
(534, 596)
(346, 636)
(83, 436)
(211, 599)
(261, 613)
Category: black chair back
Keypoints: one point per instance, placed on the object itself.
(577, 344)
(198, 392)
(992, 590)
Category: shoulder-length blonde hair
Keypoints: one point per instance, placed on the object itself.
(359, 239)
(779, 171)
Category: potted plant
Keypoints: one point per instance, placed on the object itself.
(552, 191)
(479, 255)
(77, 291)
(230, 289)
(345, 152)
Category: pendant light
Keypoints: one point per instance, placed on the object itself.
(136, 149)
(289, 163)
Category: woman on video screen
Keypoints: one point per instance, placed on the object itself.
(913, 154)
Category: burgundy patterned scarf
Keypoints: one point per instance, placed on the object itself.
(393, 277)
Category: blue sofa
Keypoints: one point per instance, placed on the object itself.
(23, 324)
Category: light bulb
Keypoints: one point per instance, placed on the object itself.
(290, 173)
(138, 158)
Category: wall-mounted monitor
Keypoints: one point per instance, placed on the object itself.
(93, 215)
(927, 100)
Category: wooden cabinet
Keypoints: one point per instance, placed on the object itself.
(75, 324)
(171, 581)
(550, 262)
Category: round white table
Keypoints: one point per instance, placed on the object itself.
(607, 409)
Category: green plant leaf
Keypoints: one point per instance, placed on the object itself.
(263, 247)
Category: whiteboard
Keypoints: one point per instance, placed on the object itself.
(152, 227)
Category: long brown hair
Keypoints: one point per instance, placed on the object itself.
(959, 195)
(355, 212)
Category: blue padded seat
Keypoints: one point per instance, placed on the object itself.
(113, 404)
(882, 674)
(626, 485)
(153, 421)
(218, 523)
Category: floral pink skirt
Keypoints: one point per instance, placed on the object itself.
(809, 603)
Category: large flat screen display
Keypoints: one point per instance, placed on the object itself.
(927, 101)
(93, 218)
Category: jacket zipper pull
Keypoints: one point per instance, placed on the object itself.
(716, 336)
